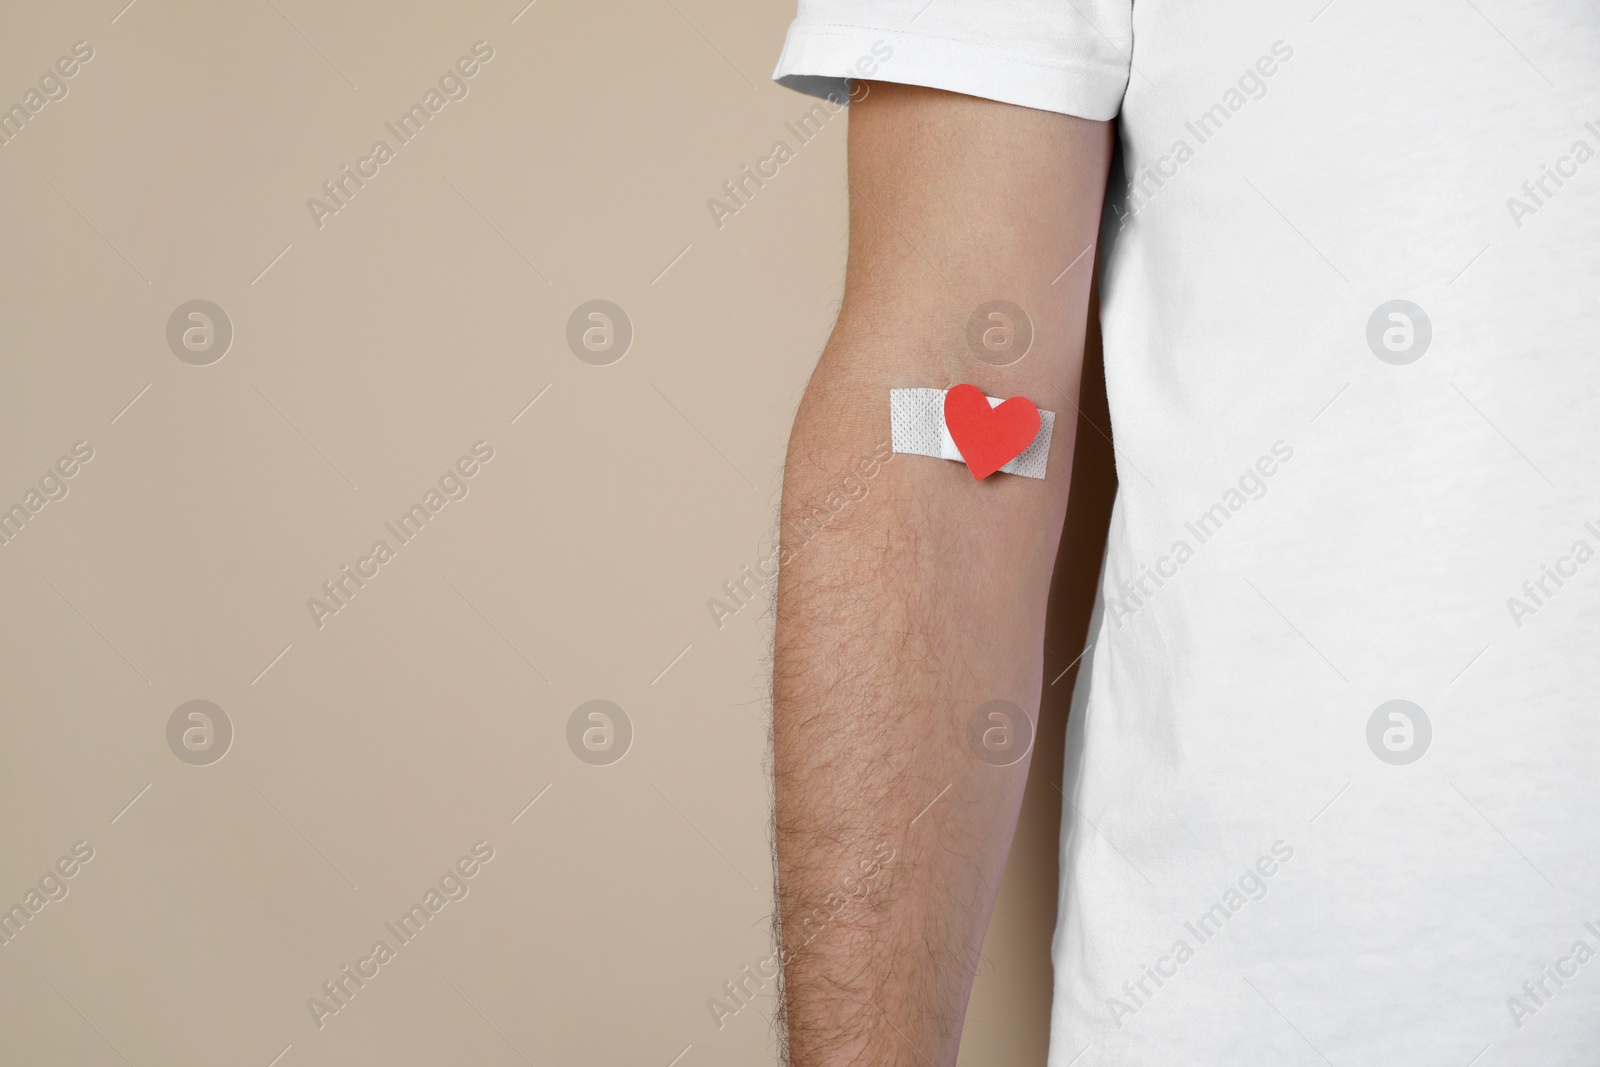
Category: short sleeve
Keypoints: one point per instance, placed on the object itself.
(1067, 56)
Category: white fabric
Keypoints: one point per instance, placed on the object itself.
(1311, 523)
(917, 427)
(1051, 54)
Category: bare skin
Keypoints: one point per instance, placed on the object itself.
(924, 598)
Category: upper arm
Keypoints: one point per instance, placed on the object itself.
(979, 142)
(956, 201)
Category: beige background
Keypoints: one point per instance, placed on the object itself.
(368, 355)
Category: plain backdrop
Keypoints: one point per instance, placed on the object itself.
(373, 347)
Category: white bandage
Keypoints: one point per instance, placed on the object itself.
(916, 422)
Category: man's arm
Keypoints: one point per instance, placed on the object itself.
(924, 598)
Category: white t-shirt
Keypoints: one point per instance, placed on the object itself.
(1334, 769)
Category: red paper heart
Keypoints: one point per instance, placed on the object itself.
(989, 437)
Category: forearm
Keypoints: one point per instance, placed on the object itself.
(921, 602)
(923, 597)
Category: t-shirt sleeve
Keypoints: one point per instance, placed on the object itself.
(1068, 56)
